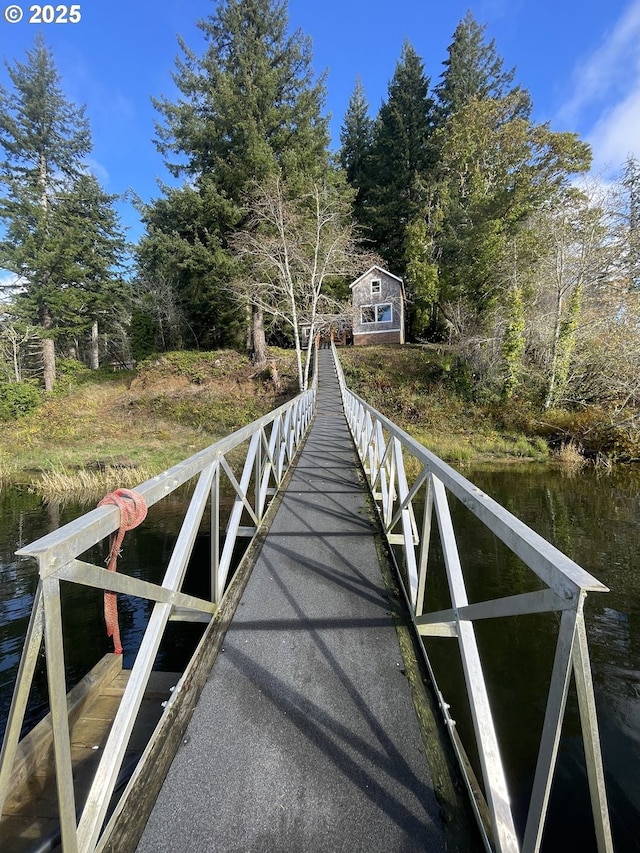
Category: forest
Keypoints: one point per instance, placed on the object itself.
(518, 263)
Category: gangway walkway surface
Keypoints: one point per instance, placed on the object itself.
(305, 737)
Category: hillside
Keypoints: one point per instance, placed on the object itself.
(104, 429)
(424, 391)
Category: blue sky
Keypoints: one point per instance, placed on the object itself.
(579, 59)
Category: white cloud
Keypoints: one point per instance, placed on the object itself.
(616, 134)
(605, 102)
(9, 281)
(99, 171)
(612, 69)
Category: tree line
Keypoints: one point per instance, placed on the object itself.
(510, 254)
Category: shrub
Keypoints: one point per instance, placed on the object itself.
(18, 398)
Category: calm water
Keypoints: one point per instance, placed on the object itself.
(592, 518)
(145, 554)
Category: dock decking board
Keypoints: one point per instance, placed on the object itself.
(29, 816)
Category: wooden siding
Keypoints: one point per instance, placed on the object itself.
(390, 293)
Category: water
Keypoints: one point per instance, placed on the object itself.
(146, 551)
(593, 518)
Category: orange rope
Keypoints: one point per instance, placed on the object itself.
(133, 511)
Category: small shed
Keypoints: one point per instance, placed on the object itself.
(378, 308)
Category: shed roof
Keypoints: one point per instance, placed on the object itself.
(380, 269)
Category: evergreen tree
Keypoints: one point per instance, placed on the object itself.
(474, 70)
(496, 169)
(356, 137)
(61, 236)
(250, 108)
(402, 159)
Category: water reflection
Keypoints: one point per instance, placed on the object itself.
(594, 520)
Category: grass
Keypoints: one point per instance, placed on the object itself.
(417, 387)
(61, 484)
(104, 431)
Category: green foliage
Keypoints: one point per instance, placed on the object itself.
(473, 70)
(71, 372)
(566, 342)
(356, 137)
(18, 399)
(497, 168)
(144, 332)
(249, 109)
(422, 284)
(62, 235)
(401, 158)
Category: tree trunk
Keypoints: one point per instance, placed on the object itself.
(48, 350)
(259, 341)
(551, 385)
(16, 356)
(95, 350)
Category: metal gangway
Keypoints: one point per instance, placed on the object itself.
(256, 463)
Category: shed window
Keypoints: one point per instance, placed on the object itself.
(376, 285)
(376, 313)
(368, 314)
(383, 312)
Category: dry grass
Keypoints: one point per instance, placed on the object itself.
(60, 484)
(569, 456)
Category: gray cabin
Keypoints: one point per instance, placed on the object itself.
(378, 308)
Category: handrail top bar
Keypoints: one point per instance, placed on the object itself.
(505, 525)
(57, 548)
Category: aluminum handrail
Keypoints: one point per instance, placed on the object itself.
(382, 446)
(273, 441)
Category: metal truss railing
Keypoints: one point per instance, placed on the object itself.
(270, 445)
(382, 447)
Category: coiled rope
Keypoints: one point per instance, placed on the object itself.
(133, 511)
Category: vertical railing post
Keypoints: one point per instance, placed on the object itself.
(215, 533)
(54, 650)
(592, 750)
(493, 774)
(425, 541)
(257, 474)
(407, 526)
(551, 731)
(24, 679)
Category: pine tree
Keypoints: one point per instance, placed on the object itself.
(474, 70)
(356, 138)
(402, 159)
(250, 107)
(61, 235)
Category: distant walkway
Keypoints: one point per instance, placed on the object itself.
(305, 737)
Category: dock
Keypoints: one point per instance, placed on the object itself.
(308, 717)
(305, 736)
(29, 820)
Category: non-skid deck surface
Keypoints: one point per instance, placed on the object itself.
(305, 736)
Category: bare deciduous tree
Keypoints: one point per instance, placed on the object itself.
(291, 245)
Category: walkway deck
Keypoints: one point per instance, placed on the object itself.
(305, 737)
